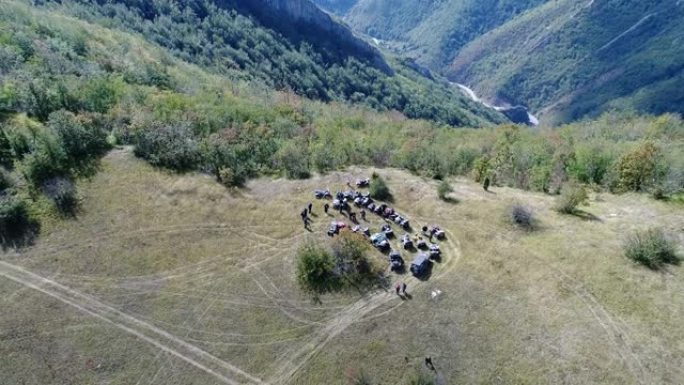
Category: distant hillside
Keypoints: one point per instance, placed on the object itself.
(301, 21)
(432, 31)
(287, 45)
(568, 60)
(336, 6)
(564, 59)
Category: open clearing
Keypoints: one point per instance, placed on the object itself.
(167, 279)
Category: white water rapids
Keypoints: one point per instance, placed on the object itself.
(472, 95)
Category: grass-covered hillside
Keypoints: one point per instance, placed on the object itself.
(150, 229)
(71, 89)
(170, 279)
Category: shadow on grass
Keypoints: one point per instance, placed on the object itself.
(18, 238)
(359, 284)
(451, 200)
(586, 216)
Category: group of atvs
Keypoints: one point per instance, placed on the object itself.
(380, 240)
(363, 200)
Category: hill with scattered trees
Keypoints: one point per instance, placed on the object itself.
(73, 87)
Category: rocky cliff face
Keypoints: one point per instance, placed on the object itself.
(302, 20)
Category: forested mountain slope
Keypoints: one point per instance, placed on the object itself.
(287, 46)
(568, 60)
(563, 59)
(433, 31)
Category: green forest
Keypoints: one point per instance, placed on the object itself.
(73, 86)
(565, 60)
(216, 37)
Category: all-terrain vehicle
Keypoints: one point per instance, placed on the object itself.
(379, 240)
(435, 251)
(436, 231)
(420, 243)
(363, 182)
(322, 194)
(387, 229)
(396, 261)
(361, 230)
(335, 227)
(406, 242)
(420, 265)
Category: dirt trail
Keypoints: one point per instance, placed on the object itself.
(221, 370)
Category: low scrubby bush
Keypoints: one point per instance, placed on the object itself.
(443, 190)
(172, 146)
(62, 192)
(521, 216)
(651, 248)
(5, 179)
(293, 160)
(47, 161)
(358, 377)
(378, 188)
(350, 251)
(573, 195)
(81, 138)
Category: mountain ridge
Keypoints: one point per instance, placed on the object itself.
(565, 60)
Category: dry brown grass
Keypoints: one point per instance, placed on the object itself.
(214, 269)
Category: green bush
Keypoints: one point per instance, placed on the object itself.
(444, 189)
(640, 169)
(293, 160)
(521, 216)
(171, 146)
(651, 248)
(5, 180)
(48, 160)
(6, 156)
(315, 269)
(63, 193)
(80, 137)
(573, 195)
(378, 189)
(101, 94)
(350, 251)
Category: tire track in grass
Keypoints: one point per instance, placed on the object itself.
(359, 311)
(221, 370)
(294, 362)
